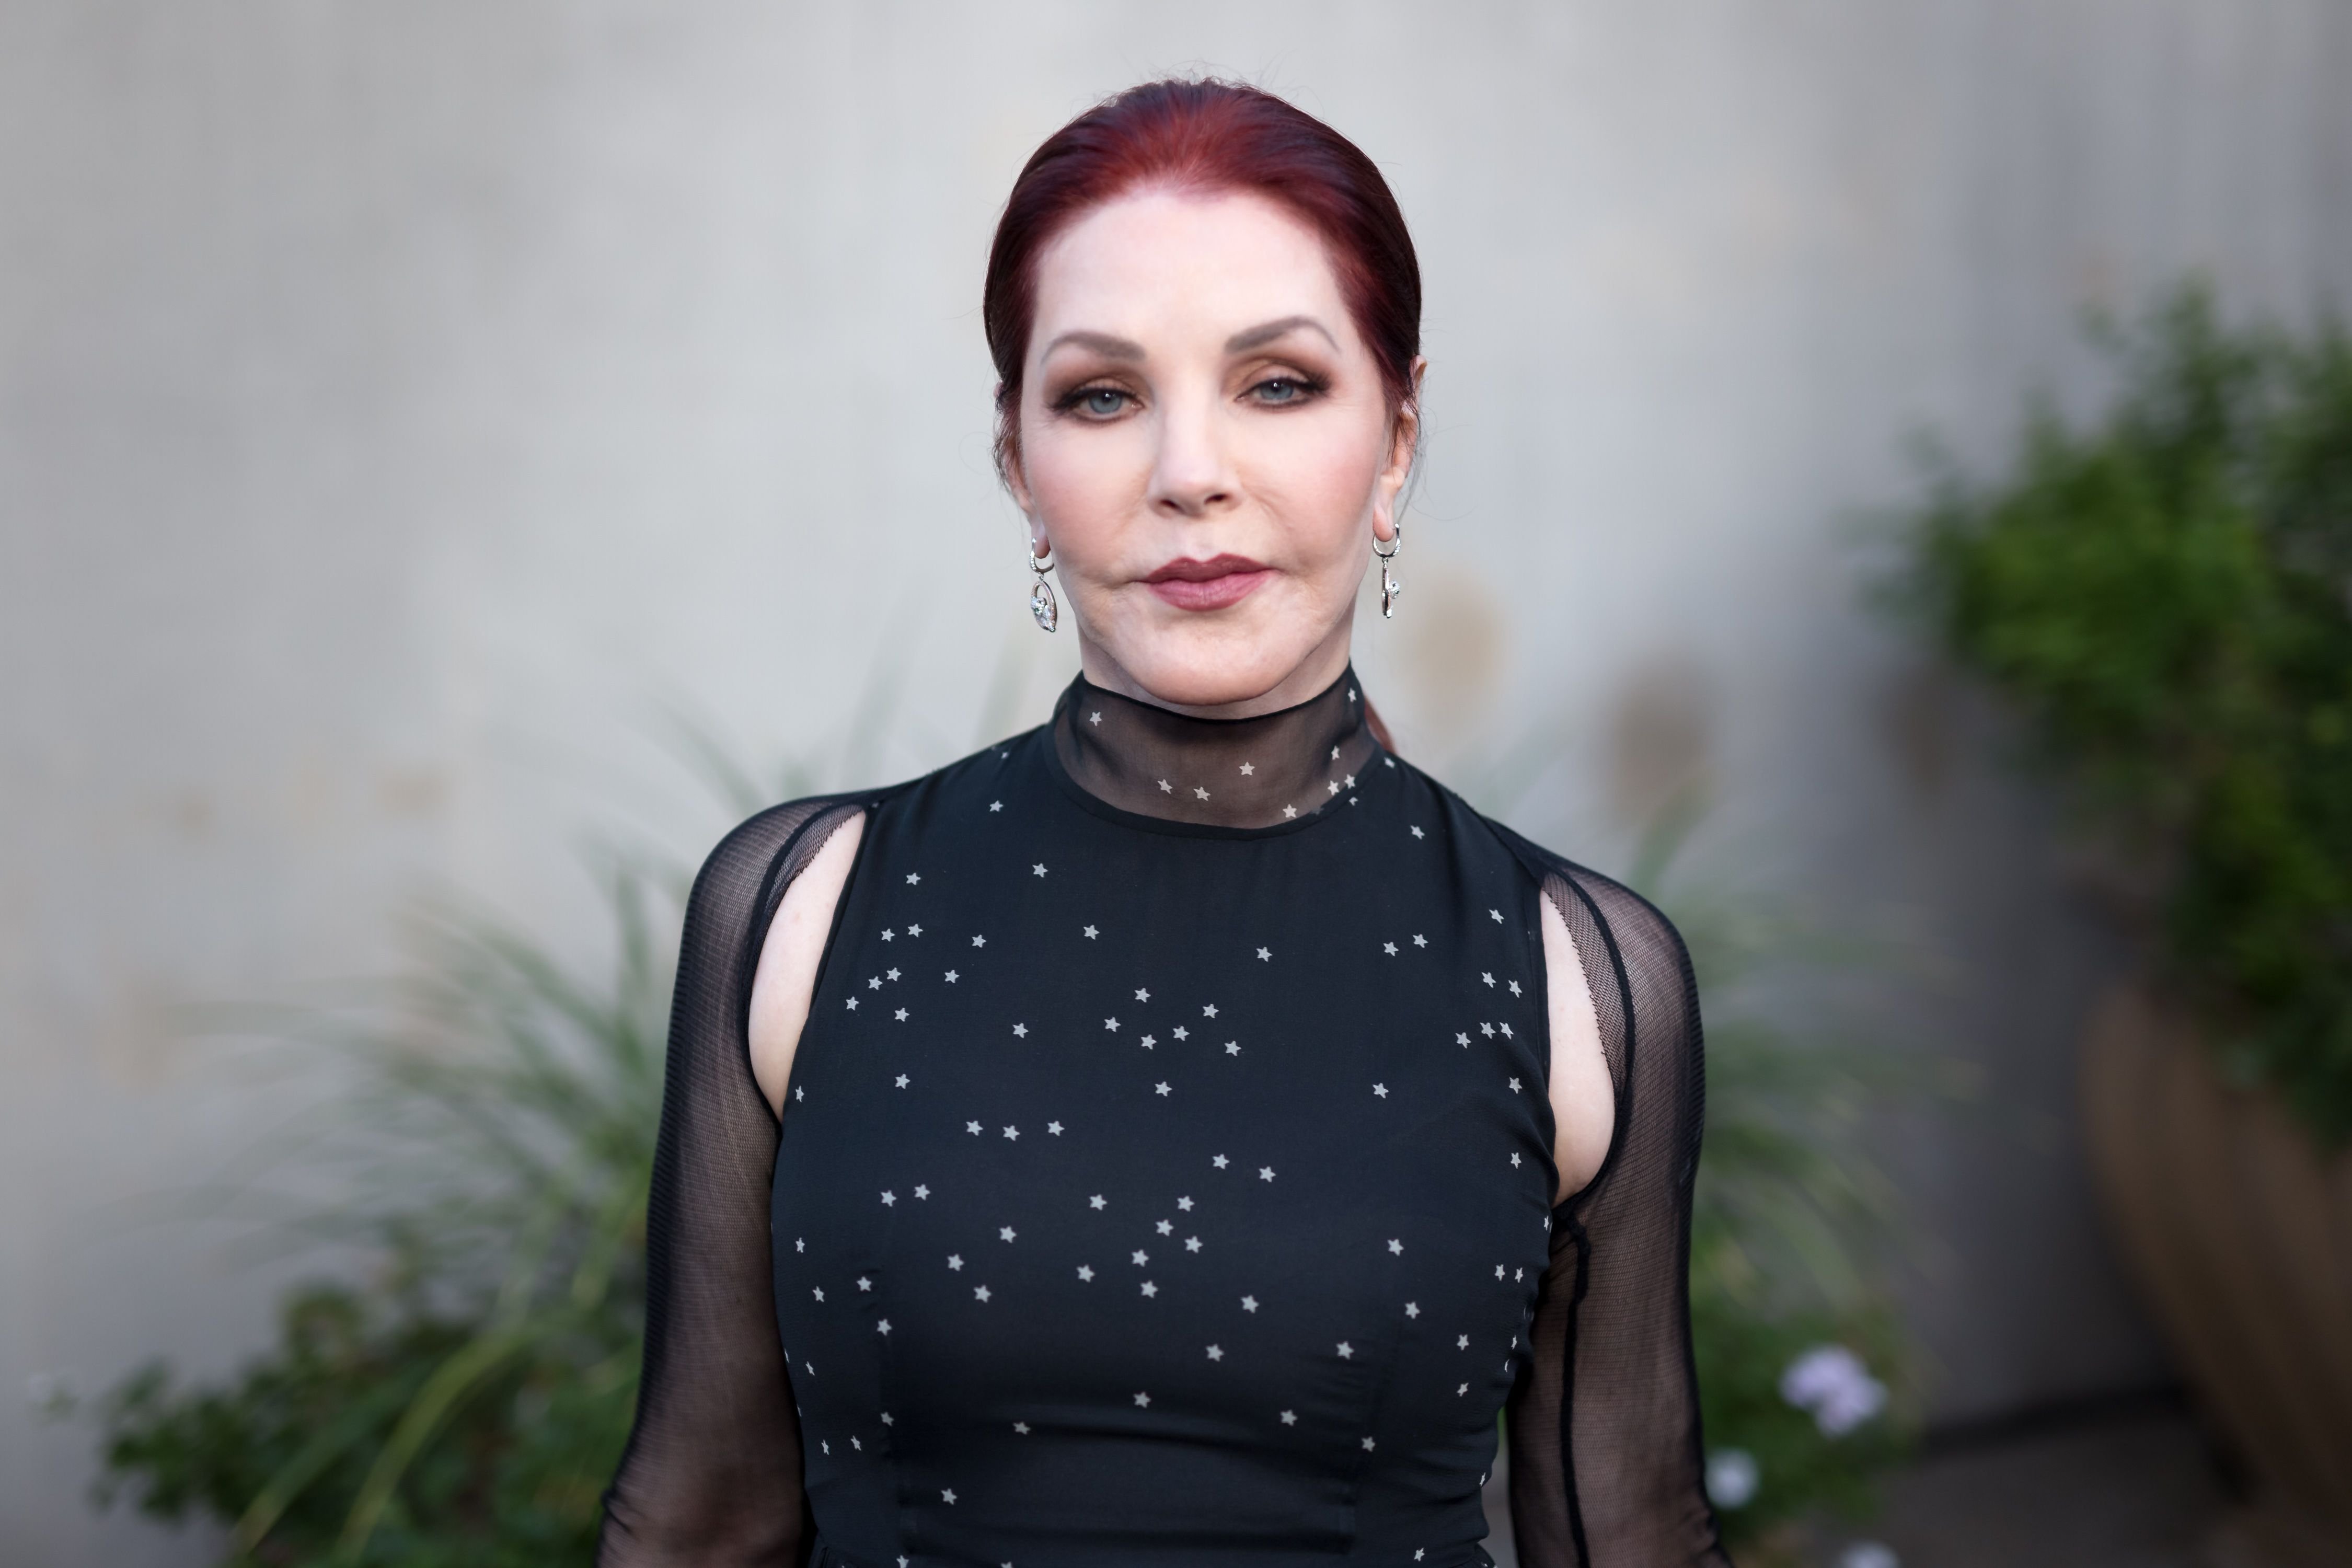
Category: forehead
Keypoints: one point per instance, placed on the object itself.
(1160, 263)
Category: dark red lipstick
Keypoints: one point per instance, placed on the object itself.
(1210, 584)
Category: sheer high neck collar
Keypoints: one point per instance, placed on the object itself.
(1232, 773)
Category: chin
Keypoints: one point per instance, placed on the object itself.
(1215, 666)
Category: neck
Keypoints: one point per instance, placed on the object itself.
(1256, 769)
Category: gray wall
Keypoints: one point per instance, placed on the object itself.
(402, 407)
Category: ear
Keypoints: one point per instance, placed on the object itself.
(1404, 441)
(1008, 459)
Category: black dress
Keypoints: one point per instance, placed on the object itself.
(1165, 1177)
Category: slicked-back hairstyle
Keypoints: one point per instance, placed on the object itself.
(1207, 136)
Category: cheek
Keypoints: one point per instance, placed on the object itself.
(1082, 482)
(1317, 486)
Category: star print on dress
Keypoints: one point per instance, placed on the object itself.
(996, 806)
(1095, 1202)
(1220, 1162)
(1232, 1048)
(1091, 934)
(1249, 1303)
(1263, 956)
(1417, 833)
(1380, 1090)
(913, 877)
(1215, 1353)
(1020, 1031)
(951, 976)
(1038, 870)
(955, 1262)
(979, 942)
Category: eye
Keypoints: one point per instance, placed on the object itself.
(1100, 402)
(1277, 390)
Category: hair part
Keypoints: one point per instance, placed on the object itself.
(1207, 136)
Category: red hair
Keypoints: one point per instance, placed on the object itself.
(1207, 136)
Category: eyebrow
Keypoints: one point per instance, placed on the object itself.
(1258, 337)
(1102, 343)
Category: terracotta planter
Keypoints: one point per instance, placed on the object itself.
(2240, 1232)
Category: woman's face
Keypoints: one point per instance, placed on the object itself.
(1204, 440)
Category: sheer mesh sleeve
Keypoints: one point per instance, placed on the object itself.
(711, 1475)
(1606, 1469)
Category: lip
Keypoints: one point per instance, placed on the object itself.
(1210, 584)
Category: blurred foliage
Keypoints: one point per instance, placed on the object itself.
(2168, 596)
(464, 1406)
(1791, 1209)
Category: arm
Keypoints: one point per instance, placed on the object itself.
(711, 1474)
(1606, 1467)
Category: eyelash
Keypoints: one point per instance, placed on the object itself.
(1309, 386)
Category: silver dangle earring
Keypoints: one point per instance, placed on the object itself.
(1390, 586)
(1041, 592)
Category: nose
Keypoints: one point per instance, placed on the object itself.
(1192, 475)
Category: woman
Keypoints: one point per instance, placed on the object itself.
(1173, 1134)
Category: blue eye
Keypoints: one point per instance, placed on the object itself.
(1104, 400)
(1279, 389)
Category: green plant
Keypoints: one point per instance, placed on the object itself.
(1786, 1220)
(465, 1406)
(2167, 596)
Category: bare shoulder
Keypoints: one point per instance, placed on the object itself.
(791, 954)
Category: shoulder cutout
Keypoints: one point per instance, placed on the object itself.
(1583, 1101)
(784, 983)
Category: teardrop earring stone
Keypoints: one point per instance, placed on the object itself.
(1042, 604)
